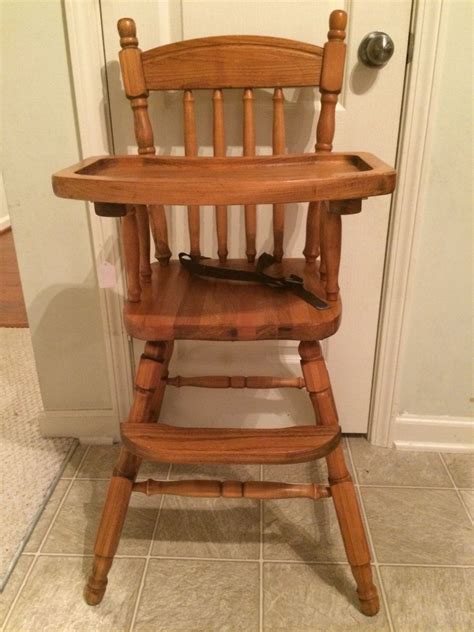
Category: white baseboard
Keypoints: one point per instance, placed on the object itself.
(433, 434)
(89, 426)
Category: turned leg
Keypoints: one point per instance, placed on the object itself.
(148, 383)
(342, 488)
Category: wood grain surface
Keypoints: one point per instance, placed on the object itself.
(180, 305)
(169, 444)
(223, 181)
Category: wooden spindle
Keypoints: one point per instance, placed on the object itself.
(331, 227)
(236, 381)
(219, 150)
(159, 229)
(190, 147)
(249, 150)
(232, 489)
(278, 148)
(131, 247)
(143, 228)
(313, 221)
(134, 84)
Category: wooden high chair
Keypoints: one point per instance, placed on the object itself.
(168, 300)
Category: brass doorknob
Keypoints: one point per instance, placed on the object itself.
(376, 49)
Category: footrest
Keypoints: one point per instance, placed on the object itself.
(171, 444)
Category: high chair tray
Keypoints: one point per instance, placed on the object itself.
(230, 180)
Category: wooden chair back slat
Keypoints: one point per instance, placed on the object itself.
(278, 142)
(190, 149)
(220, 150)
(232, 61)
(246, 62)
(249, 150)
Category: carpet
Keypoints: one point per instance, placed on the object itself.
(30, 465)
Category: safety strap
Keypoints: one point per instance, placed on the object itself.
(293, 282)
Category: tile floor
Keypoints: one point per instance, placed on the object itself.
(204, 565)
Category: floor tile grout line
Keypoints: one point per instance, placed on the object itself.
(371, 542)
(461, 499)
(260, 564)
(372, 485)
(241, 560)
(148, 557)
(420, 565)
(37, 553)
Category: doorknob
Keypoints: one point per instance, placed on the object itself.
(376, 49)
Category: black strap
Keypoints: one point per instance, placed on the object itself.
(293, 282)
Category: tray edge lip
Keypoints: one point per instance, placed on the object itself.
(61, 178)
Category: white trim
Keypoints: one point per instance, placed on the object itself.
(412, 166)
(88, 67)
(433, 434)
(89, 426)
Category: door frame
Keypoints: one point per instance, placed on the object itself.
(84, 28)
(89, 87)
(413, 162)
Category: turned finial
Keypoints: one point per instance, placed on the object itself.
(128, 33)
(337, 25)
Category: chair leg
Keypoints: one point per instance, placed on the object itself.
(342, 488)
(149, 391)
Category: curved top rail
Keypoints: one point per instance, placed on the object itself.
(232, 61)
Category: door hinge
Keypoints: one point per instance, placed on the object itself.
(410, 47)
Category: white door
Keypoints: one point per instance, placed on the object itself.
(368, 117)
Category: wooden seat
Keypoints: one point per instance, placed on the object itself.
(167, 302)
(179, 305)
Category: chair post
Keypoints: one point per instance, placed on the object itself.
(332, 74)
(342, 489)
(148, 382)
(135, 226)
(328, 233)
(134, 84)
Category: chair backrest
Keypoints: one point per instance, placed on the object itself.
(235, 62)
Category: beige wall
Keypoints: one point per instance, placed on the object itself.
(52, 235)
(436, 371)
